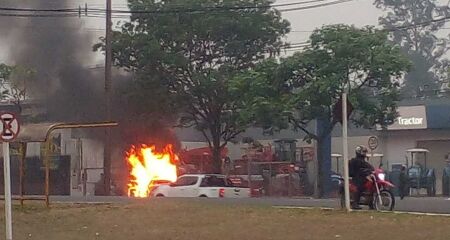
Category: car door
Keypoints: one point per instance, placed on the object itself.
(233, 191)
(183, 187)
(191, 189)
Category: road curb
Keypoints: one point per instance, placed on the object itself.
(305, 208)
(395, 212)
(82, 203)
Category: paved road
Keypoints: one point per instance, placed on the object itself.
(423, 204)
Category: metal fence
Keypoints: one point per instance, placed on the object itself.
(275, 179)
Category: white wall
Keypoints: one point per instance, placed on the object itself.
(353, 142)
(393, 144)
(33, 149)
(397, 142)
(92, 157)
(72, 148)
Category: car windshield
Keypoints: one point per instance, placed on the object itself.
(186, 181)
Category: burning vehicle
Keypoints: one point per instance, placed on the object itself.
(150, 168)
(155, 173)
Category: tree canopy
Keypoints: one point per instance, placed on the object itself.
(5, 73)
(14, 81)
(193, 55)
(308, 85)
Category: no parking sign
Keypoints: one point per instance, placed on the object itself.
(9, 130)
(9, 126)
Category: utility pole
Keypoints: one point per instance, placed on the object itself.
(345, 150)
(108, 83)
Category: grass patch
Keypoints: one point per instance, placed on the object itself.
(186, 219)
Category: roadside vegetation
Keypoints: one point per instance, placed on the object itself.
(198, 219)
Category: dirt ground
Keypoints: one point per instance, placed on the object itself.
(182, 219)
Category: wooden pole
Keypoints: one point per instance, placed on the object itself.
(108, 83)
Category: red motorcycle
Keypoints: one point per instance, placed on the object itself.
(377, 193)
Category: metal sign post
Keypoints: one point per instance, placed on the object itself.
(7, 175)
(9, 127)
(345, 151)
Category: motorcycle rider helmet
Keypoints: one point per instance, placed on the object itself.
(361, 151)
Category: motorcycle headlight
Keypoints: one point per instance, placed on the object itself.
(381, 176)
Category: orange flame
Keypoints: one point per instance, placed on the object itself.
(148, 166)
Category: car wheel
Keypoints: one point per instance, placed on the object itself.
(159, 195)
(203, 196)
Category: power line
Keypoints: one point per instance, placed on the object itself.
(186, 8)
(421, 24)
(38, 15)
(182, 8)
(39, 10)
(209, 10)
(315, 6)
(72, 12)
(397, 28)
(119, 13)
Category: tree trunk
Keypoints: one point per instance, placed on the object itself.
(323, 180)
(216, 154)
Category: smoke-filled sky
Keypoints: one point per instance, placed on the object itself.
(57, 49)
(357, 12)
(61, 48)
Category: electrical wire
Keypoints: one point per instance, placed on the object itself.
(182, 8)
(119, 13)
(315, 6)
(37, 15)
(39, 10)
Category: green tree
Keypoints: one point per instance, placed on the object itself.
(14, 83)
(193, 48)
(419, 41)
(5, 73)
(308, 85)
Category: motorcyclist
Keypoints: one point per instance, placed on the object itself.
(360, 170)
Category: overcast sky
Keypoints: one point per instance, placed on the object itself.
(357, 12)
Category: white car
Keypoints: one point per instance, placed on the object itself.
(201, 185)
